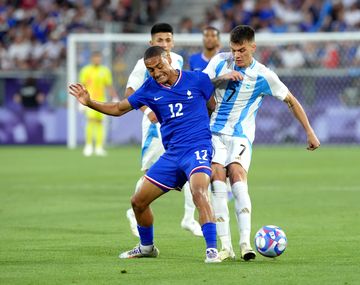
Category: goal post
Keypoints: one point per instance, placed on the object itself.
(311, 81)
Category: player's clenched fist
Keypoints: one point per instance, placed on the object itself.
(80, 93)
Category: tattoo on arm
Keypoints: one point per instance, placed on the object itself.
(290, 104)
(217, 81)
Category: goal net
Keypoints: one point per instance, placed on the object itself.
(321, 69)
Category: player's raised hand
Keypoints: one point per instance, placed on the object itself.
(80, 93)
(234, 76)
(313, 141)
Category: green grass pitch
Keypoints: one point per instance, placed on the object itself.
(62, 220)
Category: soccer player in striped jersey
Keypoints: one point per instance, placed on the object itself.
(179, 101)
(241, 84)
(211, 46)
(152, 148)
(97, 78)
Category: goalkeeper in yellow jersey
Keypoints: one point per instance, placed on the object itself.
(97, 79)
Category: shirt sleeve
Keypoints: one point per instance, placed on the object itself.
(206, 85)
(277, 88)
(177, 61)
(137, 76)
(181, 62)
(138, 99)
(210, 69)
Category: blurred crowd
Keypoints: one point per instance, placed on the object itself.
(280, 16)
(33, 32)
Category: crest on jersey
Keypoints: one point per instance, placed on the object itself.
(189, 94)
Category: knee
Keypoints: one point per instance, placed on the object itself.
(218, 172)
(237, 173)
(137, 204)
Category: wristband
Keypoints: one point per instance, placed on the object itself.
(147, 111)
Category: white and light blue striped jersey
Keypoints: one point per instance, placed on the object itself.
(139, 74)
(239, 101)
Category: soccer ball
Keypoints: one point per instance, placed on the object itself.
(270, 241)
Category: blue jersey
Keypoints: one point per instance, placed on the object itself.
(198, 62)
(180, 109)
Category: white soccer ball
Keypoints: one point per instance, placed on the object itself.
(270, 241)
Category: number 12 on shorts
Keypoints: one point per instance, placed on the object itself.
(201, 154)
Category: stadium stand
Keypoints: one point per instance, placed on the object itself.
(33, 33)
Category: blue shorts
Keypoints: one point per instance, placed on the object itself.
(175, 167)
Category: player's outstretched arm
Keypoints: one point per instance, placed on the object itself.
(299, 113)
(114, 109)
(146, 110)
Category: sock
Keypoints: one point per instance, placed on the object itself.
(242, 210)
(89, 133)
(99, 134)
(221, 211)
(189, 203)
(146, 235)
(209, 232)
(228, 188)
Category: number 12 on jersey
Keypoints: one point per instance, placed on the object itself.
(176, 110)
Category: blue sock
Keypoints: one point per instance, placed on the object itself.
(209, 232)
(146, 235)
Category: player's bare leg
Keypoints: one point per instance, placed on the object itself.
(188, 222)
(130, 215)
(238, 180)
(141, 205)
(221, 211)
(199, 184)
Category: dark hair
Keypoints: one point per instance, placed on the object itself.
(241, 34)
(154, 51)
(213, 29)
(162, 28)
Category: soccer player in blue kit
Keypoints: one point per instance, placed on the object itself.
(179, 100)
(211, 46)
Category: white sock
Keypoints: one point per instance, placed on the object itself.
(146, 248)
(189, 203)
(221, 211)
(242, 210)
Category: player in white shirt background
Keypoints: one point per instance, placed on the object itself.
(152, 148)
(241, 84)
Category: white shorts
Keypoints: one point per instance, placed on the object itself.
(151, 145)
(228, 149)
